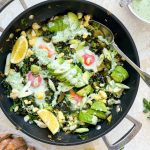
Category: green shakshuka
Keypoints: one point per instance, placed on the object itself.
(62, 74)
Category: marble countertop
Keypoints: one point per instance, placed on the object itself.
(140, 32)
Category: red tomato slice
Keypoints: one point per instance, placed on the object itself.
(45, 47)
(75, 96)
(88, 59)
(35, 80)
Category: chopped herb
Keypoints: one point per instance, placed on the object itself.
(24, 22)
(146, 104)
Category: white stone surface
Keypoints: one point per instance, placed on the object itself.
(140, 32)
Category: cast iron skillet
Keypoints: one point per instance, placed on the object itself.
(46, 10)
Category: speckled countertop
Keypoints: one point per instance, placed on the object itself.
(141, 34)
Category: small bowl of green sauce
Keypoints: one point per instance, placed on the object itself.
(141, 9)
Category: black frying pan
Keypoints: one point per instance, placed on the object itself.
(44, 11)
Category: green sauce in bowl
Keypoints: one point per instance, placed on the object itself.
(141, 8)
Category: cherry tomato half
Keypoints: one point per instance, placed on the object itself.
(35, 80)
(75, 96)
(88, 59)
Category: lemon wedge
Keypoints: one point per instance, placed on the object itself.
(19, 50)
(50, 120)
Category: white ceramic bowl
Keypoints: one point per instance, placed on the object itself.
(139, 17)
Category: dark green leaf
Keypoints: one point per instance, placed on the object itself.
(24, 22)
(145, 111)
(13, 107)
(146, 104)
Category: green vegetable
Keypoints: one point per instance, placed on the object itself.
(80, 83)
(61, 97)
(77, 44)
(80, 45)
(47, 106)
(73, 19)
(119, 74)
(146, 104)
(84, 79)
(83, 137)
(123, 86)
(86, 76)
(60, 60)
(57, 25)
(51, 85)
(81, 130)
(60, 71)
(116, 88)
(85, 91)
(74, 41)
(35, 69)
(53, 70)
(109, 119)
(87, 118)
(98, 114)
(50, 68)
(8, 64)
(100, 106)
(68, 73)
(77, 68)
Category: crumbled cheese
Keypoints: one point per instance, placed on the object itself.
(29, 53)
(35, 26)
(26, 101)
(33, 33)
(23, 33)
(26, 118)
(32, 42)
(16, 108)
(35, 109)
(102, 94)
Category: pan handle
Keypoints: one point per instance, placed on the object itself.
(5, 3)
(126, 138)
